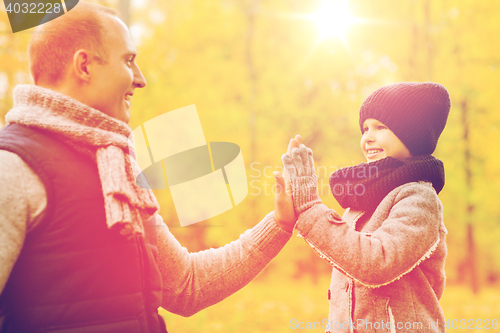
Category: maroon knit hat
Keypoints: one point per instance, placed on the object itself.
(415, 112)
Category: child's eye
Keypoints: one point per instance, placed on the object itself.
(365, 129)
(381, 127)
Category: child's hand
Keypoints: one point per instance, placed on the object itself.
(304, 183)
(284, 213)
(294, 143)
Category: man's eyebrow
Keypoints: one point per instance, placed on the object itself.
(130, 54)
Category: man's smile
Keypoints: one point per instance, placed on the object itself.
(128, 97)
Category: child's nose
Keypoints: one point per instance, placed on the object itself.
(369, 136)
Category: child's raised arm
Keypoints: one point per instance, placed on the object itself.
(409, 218)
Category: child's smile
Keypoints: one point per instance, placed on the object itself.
(372, 153)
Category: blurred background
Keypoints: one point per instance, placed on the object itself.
(260, 72)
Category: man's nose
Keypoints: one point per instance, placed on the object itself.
(139, 80)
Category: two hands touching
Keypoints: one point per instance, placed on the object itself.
(297, 189)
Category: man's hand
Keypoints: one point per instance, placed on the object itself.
(284, 213)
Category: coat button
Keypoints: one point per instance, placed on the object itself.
(333, 217)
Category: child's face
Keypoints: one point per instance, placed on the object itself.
(378, 142)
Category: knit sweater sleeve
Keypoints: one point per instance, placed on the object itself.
(408, 235)
(194, 281)
(22, 203)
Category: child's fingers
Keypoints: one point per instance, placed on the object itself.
(297, 161)
(289, 165)
(304, 155)
(310, 160)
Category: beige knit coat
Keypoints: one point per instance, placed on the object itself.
(388, 268)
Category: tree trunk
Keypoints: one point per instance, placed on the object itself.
(250, 11)
(124, 9)
(471, 245)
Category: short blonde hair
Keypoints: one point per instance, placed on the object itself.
(53, 44)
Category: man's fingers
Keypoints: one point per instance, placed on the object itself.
(290, 147)
(292, 144)
(284, 212)
(280, 181)
(298, 138)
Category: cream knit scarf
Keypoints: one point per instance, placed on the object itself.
(99, 136)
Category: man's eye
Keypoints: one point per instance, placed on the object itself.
(365, 129)
(381, 127)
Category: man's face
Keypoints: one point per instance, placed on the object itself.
(378, 141)
(113, 82)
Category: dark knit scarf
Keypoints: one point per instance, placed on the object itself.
(363, 186)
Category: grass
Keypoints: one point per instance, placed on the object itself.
(269, 304)
(460, 303)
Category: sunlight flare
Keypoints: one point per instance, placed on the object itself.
(333, 19)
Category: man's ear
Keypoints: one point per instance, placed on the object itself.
(82, 61)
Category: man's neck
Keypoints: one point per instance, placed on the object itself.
(68, 89)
